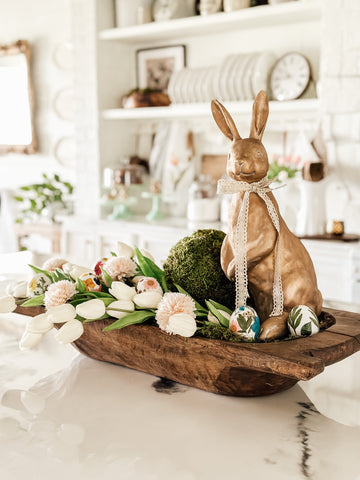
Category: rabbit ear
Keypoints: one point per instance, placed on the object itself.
(259, 115)
(224, 120)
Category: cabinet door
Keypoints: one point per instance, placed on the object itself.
(108, 242)
(81, 248)
(159, 244)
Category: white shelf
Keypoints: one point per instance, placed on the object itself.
(291, 113)
(284, 13)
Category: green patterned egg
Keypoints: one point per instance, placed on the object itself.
(38, 285)
(303, 321)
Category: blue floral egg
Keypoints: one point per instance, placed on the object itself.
(302, 321)
(244, 321)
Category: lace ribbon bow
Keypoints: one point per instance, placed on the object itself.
(262, 189)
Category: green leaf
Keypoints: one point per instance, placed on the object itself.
(306, 329)
(34, 301)
(133, 318)
(18, 199)
(220, 307)
(113, 254)
(150, 269)
(107, 278)
(80, 285)
(40, 270)
(224, 322)
(199, 308)
(315, 320)
(242, 322)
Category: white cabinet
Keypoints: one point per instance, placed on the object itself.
(105, 69)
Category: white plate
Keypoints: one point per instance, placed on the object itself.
(231, 77)
(237, 79)
(63, 104)
(178, 90)
(216, 82)
(209, 93)
(224, 78)
(247, 76)
(261, 72)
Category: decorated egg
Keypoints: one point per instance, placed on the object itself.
(244, 321)
(98, 266)
(148, 284)
(38, 285)
(302, 321)
(91, 281)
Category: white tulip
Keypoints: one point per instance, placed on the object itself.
(147, 299)
(67, 267)
(70, 331)
(10, 287)
(39, 324)
(30, 340)
(147, 254)
(78, 270)
(61, 313)
(213, 319)
(121, 291)
(113, 308)
(91, 310)
(124, 250)
(20, 290)
(182, 324)
(7, 304)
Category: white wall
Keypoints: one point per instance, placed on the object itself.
(45, 24)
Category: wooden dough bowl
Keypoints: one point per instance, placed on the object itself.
(241, 369)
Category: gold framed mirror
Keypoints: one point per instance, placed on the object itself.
(17, 131)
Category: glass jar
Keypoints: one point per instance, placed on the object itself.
(203, 203)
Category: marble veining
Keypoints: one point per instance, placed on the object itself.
(307, 409)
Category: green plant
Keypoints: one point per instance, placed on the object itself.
(39, 197)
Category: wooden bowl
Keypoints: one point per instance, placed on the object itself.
(240, 369)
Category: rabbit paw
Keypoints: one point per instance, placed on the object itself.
(274, 328)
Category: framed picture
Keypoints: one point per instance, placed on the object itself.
(155, 65)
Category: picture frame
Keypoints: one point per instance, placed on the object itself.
(154, 66)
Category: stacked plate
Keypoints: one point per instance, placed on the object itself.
(239, 77)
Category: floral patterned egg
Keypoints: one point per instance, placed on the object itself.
(38, 285)
(92, 283)
(148, 284)
(303, 321)
(244, 321)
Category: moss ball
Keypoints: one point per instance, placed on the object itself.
(194, 264)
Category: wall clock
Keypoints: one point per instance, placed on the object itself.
(168, 9)
(290, 76)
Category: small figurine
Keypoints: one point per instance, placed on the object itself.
(259, 251)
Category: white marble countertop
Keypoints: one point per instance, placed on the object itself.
(63, 415)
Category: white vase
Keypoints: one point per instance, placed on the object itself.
(311, 218)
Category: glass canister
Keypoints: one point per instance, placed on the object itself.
(203, 203)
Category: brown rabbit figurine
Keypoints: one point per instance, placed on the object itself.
(278, 270)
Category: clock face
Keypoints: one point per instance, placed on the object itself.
(290, 76)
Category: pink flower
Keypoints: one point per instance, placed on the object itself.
(53, 263)
(59, 293)
(120, 267)
(171, 304)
